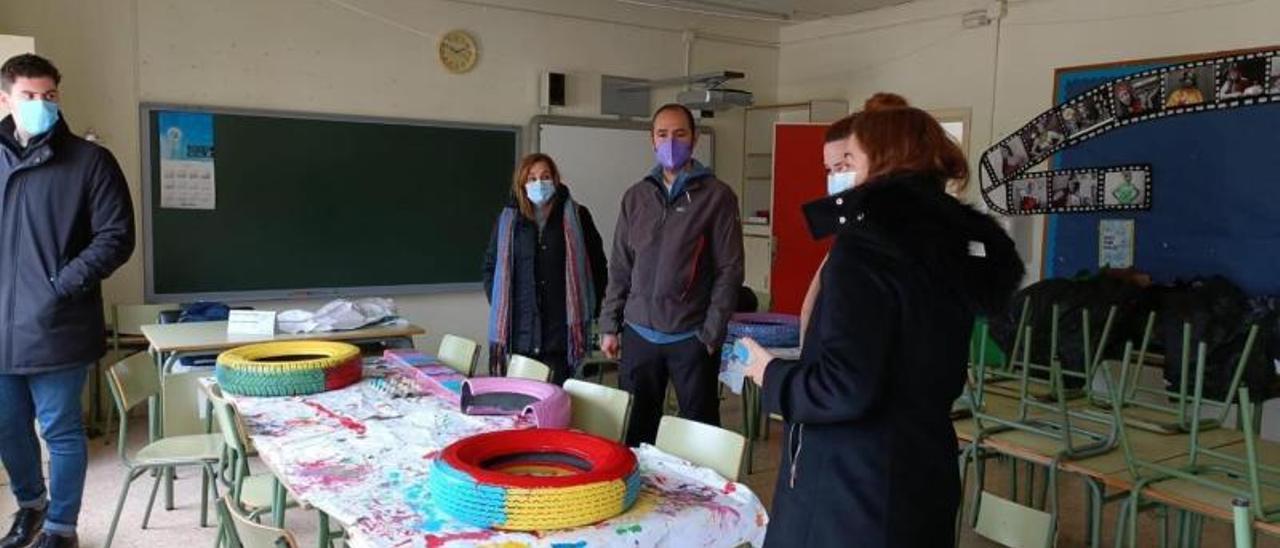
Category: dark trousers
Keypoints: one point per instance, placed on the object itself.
(644, 370)
(559, 364)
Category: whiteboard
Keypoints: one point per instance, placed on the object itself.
(600, 159)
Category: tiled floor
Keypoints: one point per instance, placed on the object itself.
(180, 526)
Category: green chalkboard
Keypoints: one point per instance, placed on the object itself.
(319, 206)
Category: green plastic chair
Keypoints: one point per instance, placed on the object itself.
(134, 381)
(243, 531)
(524, 367)
(1250, 482)
(1045, 410)
(702, 444)
(255, 493)
(460, 353)
(1149, 408)
(599, 409)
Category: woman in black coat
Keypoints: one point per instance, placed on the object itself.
(870, 457)
(544, 273)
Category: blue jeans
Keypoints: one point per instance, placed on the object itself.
(54, 398)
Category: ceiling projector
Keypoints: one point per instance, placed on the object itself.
(714, 99)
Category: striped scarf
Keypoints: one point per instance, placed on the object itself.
(579, 290)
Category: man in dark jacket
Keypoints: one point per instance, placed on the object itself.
(674, 275)
(66, 223)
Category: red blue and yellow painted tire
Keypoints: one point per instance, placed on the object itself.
(291, 368)
(534, 479)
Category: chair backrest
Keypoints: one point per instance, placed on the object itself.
(599, 409)
(460, 353)
(249, 533)
(233, 437)
(702, 444)
(183, 403)
(133, 380)
(524, 367)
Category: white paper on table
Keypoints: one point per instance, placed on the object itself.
(187, 184)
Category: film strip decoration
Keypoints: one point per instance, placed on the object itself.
(1010, 188)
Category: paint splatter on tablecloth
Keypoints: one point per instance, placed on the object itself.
(363, 457)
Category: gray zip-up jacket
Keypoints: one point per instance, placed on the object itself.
(677, 260)
(66, 222)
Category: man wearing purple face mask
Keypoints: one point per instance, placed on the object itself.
(674, 275)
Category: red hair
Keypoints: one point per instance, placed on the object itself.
(900, 138)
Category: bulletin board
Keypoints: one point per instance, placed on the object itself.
(1217, 186)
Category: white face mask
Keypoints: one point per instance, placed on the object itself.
(540, 190)
(840, 181)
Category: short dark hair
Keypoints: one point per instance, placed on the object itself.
(840, 130)
(688, 115)
(27, 65)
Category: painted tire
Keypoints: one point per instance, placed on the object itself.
(479, 480)
(264, 370)
(770, 330)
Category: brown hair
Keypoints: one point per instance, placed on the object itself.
(841, 129)
(522, 176)
(900, 138)
(27, 65)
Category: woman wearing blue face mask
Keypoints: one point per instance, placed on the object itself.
(544, 273)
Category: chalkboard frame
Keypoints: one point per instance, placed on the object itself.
(150, 295)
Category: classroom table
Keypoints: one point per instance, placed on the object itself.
(363, 458)
(171, 341)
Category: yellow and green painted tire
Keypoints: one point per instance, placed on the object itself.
(290, 368)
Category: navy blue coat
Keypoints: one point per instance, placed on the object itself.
(66, 222)
(870, 453)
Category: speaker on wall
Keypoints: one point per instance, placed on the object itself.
(553, 89)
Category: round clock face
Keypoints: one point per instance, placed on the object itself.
(458, 51)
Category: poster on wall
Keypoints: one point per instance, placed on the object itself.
(1115, 243)
(187, 178)
(1010, 186)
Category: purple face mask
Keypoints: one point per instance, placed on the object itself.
(673, 153)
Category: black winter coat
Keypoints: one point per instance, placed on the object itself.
(66, 222)
(539, 322)
(870, 452)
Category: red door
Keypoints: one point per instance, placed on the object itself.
(798, 178)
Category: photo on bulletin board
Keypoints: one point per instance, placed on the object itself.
(1071, 190)
(1082, 115)
(1010, 157)
(1137, 95)
(1045, 135)
(1115, 243)
(1124, 188)
(1029, 195)
(1274, 76)
(1193, 86)
(1242, 78)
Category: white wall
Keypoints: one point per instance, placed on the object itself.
(921, 51)
(370, 57)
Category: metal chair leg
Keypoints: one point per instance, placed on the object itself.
(204, 497)
(1243, 521)
(277, 505)
(129, 477)
(155, 486)
(1095, 495)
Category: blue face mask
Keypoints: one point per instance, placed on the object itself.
(37, 116)
(540, 191)
(839, 182)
